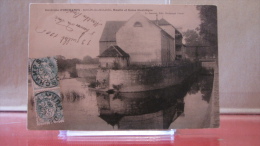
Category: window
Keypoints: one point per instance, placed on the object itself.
(138, 24)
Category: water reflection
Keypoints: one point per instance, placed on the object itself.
(187, 105)
(155, 109)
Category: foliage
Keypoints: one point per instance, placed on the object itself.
(68, 65)
(117, 87)
(92, 85)
(208, 26)
(205, 37)
(89, 60)
(192, 38)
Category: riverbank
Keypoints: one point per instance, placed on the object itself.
(212, 116)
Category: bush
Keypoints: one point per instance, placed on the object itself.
(92, 85)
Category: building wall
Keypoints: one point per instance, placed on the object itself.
(87, 70)
(104, 45)
(150, 78)
(169, 29)
(103, 77)
(86, 66)
(109, 62)
(178, 39)
(168, 49)
(143, 44)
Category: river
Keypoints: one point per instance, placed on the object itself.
(188, 105)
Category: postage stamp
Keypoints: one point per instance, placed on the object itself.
(46, 90)
(44, 72)
(48, 107)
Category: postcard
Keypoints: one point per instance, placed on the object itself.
(122, 67)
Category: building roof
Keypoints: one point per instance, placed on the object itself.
(114, 51)
(111, 28)
(109, 32)
(161, 22)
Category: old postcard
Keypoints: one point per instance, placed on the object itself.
(120, 67)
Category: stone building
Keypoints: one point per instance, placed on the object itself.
(114, 57)
(147, 42)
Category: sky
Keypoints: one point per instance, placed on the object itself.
(55, 31)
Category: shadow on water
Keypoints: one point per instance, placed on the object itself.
(155, 109)
(175, 106)
(72, 96)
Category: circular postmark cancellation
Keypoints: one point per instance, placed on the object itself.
(48, 108)
(45, 72)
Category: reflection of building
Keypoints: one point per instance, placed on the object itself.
(148, 42)
(158, 120)
(141, 110)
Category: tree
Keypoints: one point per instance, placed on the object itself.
(208, 26)
(192, 38)
(68, 65)
(89, 60)
(71, 66)
(62, 64)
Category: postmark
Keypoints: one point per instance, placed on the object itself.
(44, 72)
(48, 107)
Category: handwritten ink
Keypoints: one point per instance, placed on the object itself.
(49, 33)
(88, 42)
(66, 40)
(61, 21)
(82, 27)
(81, 36)
(75, 13)
(84, 31)
(88, 19)
(92, 33)
(37, 30)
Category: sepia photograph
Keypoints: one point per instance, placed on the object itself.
(122, 67)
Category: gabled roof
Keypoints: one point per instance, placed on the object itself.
(114, 51)
(110, 29)
(161, 22)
